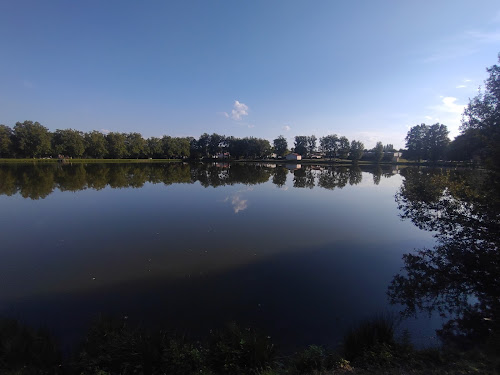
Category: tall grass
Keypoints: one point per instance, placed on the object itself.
(368, 335)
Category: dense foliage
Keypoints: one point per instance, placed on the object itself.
(480, 136)
(427, 142)
(33, 140)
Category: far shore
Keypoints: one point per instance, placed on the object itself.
(335, 162)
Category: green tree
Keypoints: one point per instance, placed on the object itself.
(356, 151)
(135, 145)
(237, 147)
(68, 142)
(175, 148)
(95, 144)
(183, 147)
(379, 152)
(216, 144)
(415, 143)
(389, 148)
(154, 148)
(311, 145)
(436, 142)
(117, 147)
(280, 146)
(203, 144)
(482, 115)
(344, 147)
(300, 146)
(32, 139)
(5, 141)
(330, 145)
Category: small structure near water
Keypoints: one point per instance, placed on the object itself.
(293, 156)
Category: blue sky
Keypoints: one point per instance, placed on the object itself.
(368, 70)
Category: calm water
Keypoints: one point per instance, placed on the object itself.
(302, 253)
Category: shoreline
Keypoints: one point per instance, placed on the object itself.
(338, 162)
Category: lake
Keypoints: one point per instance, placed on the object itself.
(300, 252)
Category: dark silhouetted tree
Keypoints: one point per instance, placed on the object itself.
(481, 120)
(280, 146)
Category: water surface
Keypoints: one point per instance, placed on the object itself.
(300, 252)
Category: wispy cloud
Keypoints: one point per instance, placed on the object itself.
(461, 86)
(484, 37)
(105, 131)
(286, 128)
(251, 126)
(460, 45)
(225, 114)
(239, 110)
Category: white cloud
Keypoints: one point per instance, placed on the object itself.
(239, 110)
(251, 126)
(286, 128)
(105, 131)
(225, 114)
(239, 204)
(449, 113)
(461, 86)
(450, 106)
(428, 117)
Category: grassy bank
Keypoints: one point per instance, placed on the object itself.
(111, 346)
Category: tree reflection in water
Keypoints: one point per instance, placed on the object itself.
(460, 276)
(37, 181)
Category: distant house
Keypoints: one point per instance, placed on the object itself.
(293, 156)
(223, 155)
(396, 156)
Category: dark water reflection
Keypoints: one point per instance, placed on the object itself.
(301, 252)
(40, 180)
(460, 276)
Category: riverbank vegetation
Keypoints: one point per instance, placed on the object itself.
(115, 346)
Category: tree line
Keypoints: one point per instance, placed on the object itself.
(30, 139)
